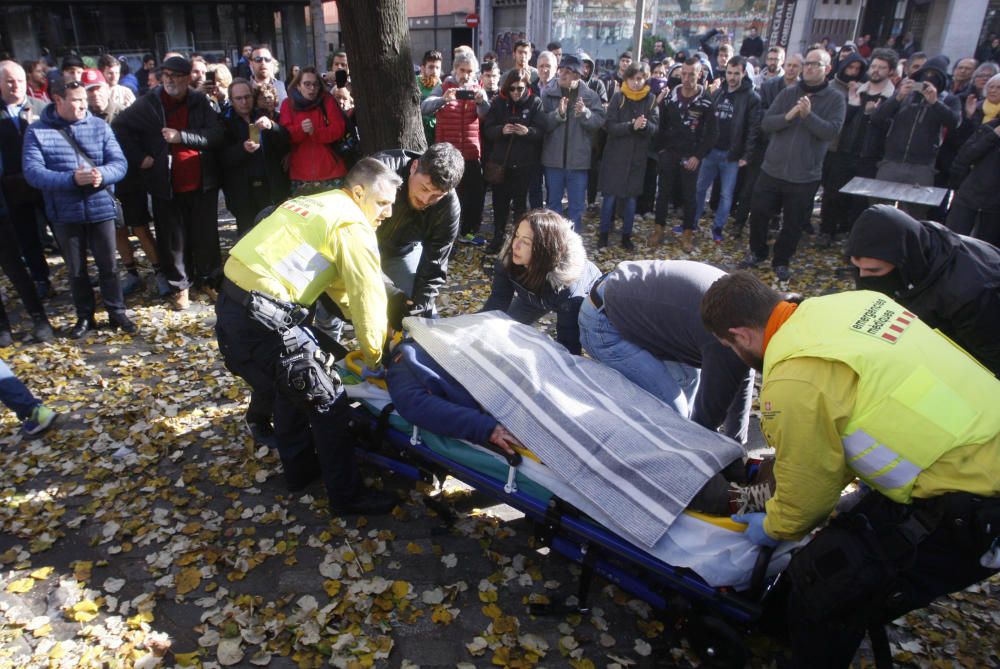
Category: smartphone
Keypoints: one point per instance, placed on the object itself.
(210, 77)
(465, 94)
(340, 77)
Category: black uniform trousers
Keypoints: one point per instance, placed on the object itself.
(946, 561)
(307, 439)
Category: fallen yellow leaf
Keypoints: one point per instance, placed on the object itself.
(21, 585)
(187, 580)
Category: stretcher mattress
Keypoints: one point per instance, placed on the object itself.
(714, 548)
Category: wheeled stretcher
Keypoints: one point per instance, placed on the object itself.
(703, 572)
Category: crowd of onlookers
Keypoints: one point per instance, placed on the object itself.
(753, 135)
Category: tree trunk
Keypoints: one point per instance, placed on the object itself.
(319, 35)
(387, 101)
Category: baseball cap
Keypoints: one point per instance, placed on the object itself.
(71, 61)
(571, 62)
(92, 77)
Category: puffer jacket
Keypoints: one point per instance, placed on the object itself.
(49, 162)
(568, 139)
(565, 289)
(312, 157)
(139, 130)
(458, 124)
(524, 150)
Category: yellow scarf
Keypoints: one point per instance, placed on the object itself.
(635, 96)
(990, 111)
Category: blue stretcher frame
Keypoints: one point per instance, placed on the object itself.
(577, 539)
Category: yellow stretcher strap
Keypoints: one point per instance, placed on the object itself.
(724, 522)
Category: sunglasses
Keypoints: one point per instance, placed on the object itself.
(518, 88)
(70, 85)
(262, 59)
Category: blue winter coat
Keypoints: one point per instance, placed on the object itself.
(49, 162)
(426, 395)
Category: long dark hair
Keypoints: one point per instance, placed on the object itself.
(549, 247)
(511, 78)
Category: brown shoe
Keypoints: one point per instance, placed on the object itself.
(687, 241)
(211, 293)
(656, 238)
(180, 301)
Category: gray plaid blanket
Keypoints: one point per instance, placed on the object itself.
(608, 439)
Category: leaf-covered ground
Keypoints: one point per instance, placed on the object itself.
(147, 529)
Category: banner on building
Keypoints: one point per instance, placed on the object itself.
(780, 31)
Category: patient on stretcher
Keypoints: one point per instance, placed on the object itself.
(426, 395)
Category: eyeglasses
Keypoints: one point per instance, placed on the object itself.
(312, 83)
(813, 63)
(262, 59)
(518, 88)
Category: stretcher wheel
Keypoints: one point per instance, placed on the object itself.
(716, 642)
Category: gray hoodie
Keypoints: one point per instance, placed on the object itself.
(568, 139)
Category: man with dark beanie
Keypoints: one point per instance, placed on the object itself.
(801, 122)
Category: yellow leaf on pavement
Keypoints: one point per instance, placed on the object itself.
(82, 612)
(42, 574)
(188, 580)
(21, 585)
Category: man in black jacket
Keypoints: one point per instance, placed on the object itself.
(686, 134)
(737, 117)
(753, 45)
(417, 239)
(17, 112)
(170, 135)
(950, 281)
(254, 147)
(914, 119)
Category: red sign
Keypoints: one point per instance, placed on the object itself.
(472, 20)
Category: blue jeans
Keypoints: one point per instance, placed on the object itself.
(574, 182)
(715, 164)
(15, 394)
(608, 213)
(673, 382)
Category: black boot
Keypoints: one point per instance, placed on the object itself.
(627, 243)
(42, 329)
(119, 320)
(602, 240)
(82, 327)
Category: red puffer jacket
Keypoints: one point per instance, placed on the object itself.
(458, 124)
(312, 157)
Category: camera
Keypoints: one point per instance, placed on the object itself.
(210, 77)
(340, 78)
(465, 94)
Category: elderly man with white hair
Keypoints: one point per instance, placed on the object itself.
(17, 112)
(459, 103)
(547, 64)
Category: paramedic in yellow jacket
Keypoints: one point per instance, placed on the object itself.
(322, 243)
(855, 386)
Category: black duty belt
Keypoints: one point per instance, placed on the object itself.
(235, 293)
(595, 296)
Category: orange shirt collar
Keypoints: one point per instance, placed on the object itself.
(782, 312)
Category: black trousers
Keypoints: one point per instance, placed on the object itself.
(770, 197)
(946, 561)
(512, 195)
(247, 203)
(672, 174)
(306, 438)
(13, 266)
(187, 238)
(745, 186)
(984, 225)
(647, 201)
(75, 239)
(837, 207)
(471, 193)
(24, 218)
